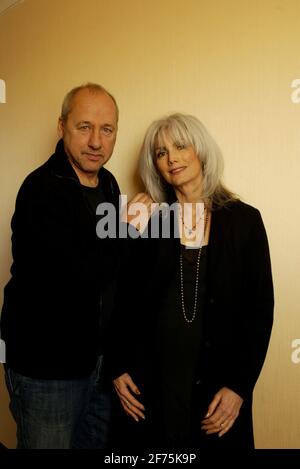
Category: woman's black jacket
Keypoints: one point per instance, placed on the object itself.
(238, 309)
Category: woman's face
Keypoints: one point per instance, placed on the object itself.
(178, 164)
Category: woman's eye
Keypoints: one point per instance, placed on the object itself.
(180, 146)
(160, 154)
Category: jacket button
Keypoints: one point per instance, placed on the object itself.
(211, 301)
(198, 382)
(207, 343)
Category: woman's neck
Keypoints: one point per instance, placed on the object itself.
(188, 196)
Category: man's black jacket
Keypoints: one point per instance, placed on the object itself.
(53, 303)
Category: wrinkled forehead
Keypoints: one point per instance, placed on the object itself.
(174, 133)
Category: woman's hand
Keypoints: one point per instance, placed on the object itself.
(222, 412)
(138, 211)
(124, 387)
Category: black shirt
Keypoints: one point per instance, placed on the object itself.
(94, 196)
(178, 346)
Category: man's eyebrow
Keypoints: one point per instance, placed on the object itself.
(108, 125)
(90, 123)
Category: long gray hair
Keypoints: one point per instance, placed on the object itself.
(187, 130)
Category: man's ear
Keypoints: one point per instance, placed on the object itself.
(60, 127)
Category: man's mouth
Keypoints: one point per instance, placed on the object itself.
(94, 156)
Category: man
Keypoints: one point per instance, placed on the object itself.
(58, 298)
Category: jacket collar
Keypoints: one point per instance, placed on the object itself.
(60, 166)
(221, 223)
(59, 163)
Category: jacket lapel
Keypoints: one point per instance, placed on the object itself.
(220, 226)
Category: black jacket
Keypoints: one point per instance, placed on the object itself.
(52, 304)
(238, 314)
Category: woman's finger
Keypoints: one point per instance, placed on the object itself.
(226, 426)
(132, 410)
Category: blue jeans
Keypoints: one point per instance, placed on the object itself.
(60, 414)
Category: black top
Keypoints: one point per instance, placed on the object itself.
(94, 196)
(179, 346)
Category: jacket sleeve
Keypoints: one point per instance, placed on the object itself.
(254, 322)
(122, 327)
(36, 231)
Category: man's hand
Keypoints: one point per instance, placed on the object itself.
(124, 387)
(222, 412)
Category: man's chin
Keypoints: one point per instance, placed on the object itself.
(93, 166)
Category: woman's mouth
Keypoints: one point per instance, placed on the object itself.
(177, 170)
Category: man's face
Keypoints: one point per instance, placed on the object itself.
(89, 133)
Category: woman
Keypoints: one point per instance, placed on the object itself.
(195, 314)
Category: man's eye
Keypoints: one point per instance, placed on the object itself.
(107, 130)
(84, 127)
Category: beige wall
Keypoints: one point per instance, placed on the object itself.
(231, 63)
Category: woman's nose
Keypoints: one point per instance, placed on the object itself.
(172, 158)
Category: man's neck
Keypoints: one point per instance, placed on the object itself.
(89, 181)
(86, 179)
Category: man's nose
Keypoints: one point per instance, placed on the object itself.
(95, 140)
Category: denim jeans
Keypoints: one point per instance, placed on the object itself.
(60, 414)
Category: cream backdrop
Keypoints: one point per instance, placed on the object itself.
(230, 62)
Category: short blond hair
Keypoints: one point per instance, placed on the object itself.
(93, 88)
